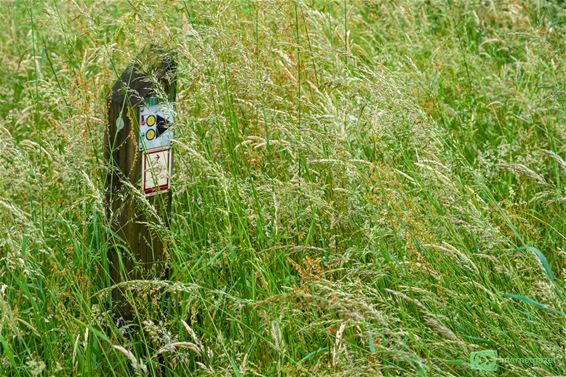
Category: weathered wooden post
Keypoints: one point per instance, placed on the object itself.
(140, 161)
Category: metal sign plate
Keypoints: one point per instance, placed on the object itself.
(156, 171)
(156, 125)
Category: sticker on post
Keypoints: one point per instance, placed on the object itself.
(156, 171)
(156, 122)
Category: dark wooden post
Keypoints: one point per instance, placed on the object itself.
(137, 140)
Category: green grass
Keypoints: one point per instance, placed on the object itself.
(361, 188)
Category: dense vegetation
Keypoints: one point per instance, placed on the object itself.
(361, 188)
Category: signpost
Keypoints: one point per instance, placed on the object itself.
(140, 164)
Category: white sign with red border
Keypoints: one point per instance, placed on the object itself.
(156, 171)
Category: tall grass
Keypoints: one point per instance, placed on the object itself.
(361, 188)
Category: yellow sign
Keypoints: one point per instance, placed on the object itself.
(151, 120)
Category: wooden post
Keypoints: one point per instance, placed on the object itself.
(134, 144)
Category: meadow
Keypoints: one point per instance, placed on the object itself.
(361, 188)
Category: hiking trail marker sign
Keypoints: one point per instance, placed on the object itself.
(156, 120)
(154, 141)
(156, 171)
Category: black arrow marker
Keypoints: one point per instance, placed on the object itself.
(162, 125)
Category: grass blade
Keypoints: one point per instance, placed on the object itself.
(542, 259)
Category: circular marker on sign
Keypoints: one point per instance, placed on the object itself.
(150, 134)
(150, 120)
